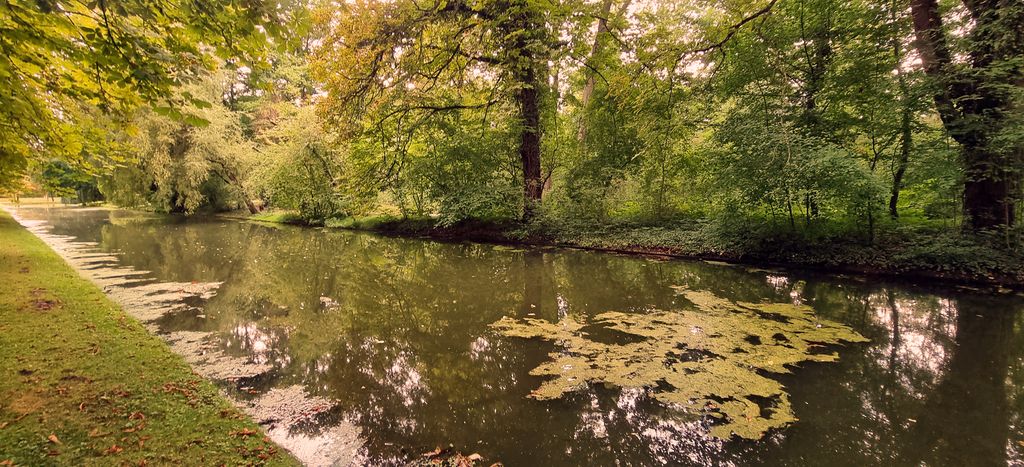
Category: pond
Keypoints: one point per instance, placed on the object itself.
(374, 350)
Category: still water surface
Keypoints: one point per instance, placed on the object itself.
(396, 334)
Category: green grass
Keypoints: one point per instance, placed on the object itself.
(81, 383)
(280, 217)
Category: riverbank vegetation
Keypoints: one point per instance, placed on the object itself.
(872, 135)
(82, 383)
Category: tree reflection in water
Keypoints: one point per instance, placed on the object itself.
(395, 333)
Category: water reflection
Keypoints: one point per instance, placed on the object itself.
(394, 334)
(970, 393)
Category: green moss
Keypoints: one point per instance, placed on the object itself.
(81, 383)
(715, 358)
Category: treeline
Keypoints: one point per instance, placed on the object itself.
(794, 113)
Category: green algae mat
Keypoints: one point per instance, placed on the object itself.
(81, 383)
(714, 359)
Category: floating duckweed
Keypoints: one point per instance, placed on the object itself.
(711, 360)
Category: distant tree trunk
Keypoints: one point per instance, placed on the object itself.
(901, 161)
(871, 223)
(251, 207)
(817, 51)
(228, 174)
(789, 207)
(973, 104)
(906, 119)
(245, 196)
(818, 54)
(595, 49)
(906, 140)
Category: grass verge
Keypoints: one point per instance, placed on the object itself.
(81, 383)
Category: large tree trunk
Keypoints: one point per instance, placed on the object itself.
(817, 50)
(243, 193)
(529, 145)
(973, 103)
(988, 193)
(526, 26)
(228, 175)
(251, 206)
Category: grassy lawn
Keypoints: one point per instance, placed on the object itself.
(82, 383)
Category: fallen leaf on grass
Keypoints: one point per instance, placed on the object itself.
(53, 439)
(113, 450)
(174, 387)
(95, 432)
(244, 432)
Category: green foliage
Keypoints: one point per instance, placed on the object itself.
(61, 180)
(112, 56)
(778, 169)
(798, 118)
(181, 166)
(301, 169)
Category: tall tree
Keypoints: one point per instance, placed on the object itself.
(405, 62)
(977, 97)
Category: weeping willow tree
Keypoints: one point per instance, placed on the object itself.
(183, 165)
